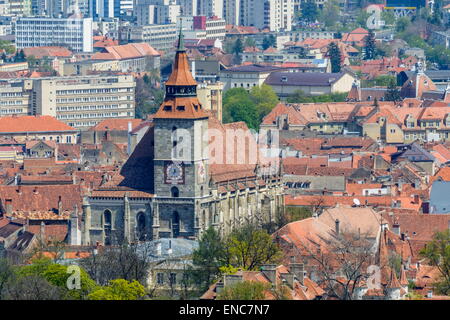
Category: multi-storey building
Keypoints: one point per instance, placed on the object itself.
(188, 7)
(83, 102)
(160, 36)
(73, 33)
(210, 8)
(157, 12)
(80, 102)
(214, 27)
(15, 97)
(20, 7)
(4, 7)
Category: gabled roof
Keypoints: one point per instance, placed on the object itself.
(126, 51)
(303, 78)
(18, 124)
(115, 124)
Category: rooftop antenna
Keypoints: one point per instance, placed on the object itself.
(356, 202)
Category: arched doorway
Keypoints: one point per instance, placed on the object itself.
(175, 224)
(107, 226)
(175, 192)
(140, 227)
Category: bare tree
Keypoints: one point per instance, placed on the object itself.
(317, 205)
(341, 263)
(31, 288)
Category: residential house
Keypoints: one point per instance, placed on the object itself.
(286, 84)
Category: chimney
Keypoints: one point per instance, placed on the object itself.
(336, 223)
(42, 231)
(402, 236)
(169, 249)
(298, 270)
(270, 272)
(289, 278)
(8, 205)
(416, 199)
(59, 205)
(430, 294)
(396, 228)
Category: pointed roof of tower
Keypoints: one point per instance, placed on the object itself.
(178, 105)
(181, 75)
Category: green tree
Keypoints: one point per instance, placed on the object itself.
(402, 23)
(208, 258)
(245, 290)
(239, 106)
(384, 80)
(437, 253)
(58, 275)
(119, 289)
(6, 273)
(250, 248)
(330, 14)
(249, 42)
(269, 41)
(370, 47)
(335, 57)
(148, 97)
(392, 93)
(7, 46)
(265, 99)
(238, 47)
(309, 10)
(388, 17)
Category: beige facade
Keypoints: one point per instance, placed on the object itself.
(14, 97)
(82, 102)
(210, 96)
(83, 68)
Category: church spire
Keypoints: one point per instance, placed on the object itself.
(181, 39)
(181, 90)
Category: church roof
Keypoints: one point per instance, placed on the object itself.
(179, 106)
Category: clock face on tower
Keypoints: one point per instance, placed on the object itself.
(173, 173)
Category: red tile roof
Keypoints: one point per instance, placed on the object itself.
(18, 124)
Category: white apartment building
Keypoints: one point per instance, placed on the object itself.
(159, 36)
(157, 12)
(188, 7)
(210, 8)
(80, 102)
(216, 29)
(4, 7)
(20, 7)
(73, 33)
(232, 11)
(15, 97)
(278, 15)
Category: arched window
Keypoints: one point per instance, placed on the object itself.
(175, 192)
(140, 223)
(107, 226)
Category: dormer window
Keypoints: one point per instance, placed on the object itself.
(181, 108)
(167, 108)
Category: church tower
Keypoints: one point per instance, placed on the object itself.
(180, 148)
